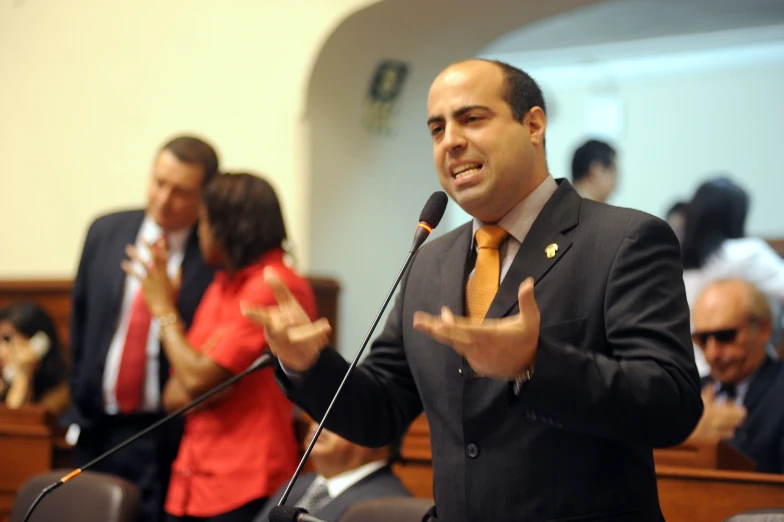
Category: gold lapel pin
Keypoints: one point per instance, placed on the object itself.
(550, 250)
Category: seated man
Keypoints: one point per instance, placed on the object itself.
(744, 395)
(345, 474)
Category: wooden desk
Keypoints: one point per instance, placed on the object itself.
(696, 495)
(689, 492)
(25, 450)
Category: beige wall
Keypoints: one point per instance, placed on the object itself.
(91, 88)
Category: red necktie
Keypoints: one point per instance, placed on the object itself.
(130, 378)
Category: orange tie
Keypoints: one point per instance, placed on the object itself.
(483, 285)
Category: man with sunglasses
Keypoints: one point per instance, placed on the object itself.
(744, 394)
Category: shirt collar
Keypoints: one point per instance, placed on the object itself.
(151, 232)
(340, 483)
(519, 220)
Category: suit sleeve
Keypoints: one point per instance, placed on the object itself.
(380, 398)
(79, 305)
(646, 391)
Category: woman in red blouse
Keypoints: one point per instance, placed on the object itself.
(241, 446)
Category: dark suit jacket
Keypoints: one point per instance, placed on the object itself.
(380, 484)
(97, 299)
(761, 436)
(614, 377)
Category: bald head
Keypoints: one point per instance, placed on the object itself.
(732, 325)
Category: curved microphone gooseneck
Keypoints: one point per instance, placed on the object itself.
(262, 362)
(429, 219)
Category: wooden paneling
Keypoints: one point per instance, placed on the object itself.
(689, 492)
(54, 296)
(25, 450)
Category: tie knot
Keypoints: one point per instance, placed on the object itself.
(490, 236)
(729, 390)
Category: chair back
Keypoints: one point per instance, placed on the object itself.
(90, 497)
(397, 509)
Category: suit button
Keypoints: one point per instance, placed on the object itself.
(472, 450)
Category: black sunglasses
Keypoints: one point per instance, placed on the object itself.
(726, 335)
(721, 336)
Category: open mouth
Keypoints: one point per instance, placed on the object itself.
(466, 170)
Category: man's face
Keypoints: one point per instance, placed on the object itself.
(733, 344)
(330, 446)
(483, 156)
(174, 192)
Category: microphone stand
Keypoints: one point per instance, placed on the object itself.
(262, 362)
(428, 220)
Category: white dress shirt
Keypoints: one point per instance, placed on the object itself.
(338, 484)
(518, 222)
(151, 400)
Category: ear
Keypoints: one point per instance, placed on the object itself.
(536, 122)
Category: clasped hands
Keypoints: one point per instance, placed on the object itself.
(719, 420)
(497, 348)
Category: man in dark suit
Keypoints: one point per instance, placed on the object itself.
(118, 367)
(545, 403)
(744, 395)
(345, 474)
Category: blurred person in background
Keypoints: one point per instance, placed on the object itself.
(715, 246)
(676, 217)
(344, 474)
(594, 170)
(240, 447)
(744, 393)
(31, 359)
(118, 368)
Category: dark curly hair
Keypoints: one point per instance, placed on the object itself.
(245, 216)
(28, 319)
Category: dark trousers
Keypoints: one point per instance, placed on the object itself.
(146, 462)
(244, 513)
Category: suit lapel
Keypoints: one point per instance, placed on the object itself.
(534, 257)
(453, 272)
(116, 255)
(760, 384)
(484, 399)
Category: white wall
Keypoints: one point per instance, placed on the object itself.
(90, 89)
(367, 189)
(685, 116)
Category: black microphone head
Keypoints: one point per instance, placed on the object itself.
(286, 513)
(434, 209)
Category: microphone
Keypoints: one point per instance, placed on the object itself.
(429, 219)
(291, 514)
(265, 360)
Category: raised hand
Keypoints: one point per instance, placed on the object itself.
(292, 337)
(159, 290)
(497, 348)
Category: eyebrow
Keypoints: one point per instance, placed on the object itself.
(459, 112)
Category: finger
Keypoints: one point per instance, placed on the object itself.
(177, 281)
(133, 254)
(526, 299)
(431, 326)
(279, 290)
(708, 394)
(317, 333)
(132, 270)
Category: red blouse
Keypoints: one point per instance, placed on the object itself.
(243, 448)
